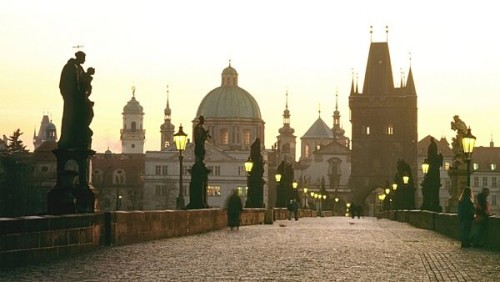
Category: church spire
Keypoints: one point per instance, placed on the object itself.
(410, 83)
(286, 112)
(167, 128)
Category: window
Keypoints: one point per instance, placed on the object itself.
(119, 177)
(133, 126)
(161, 190)
(493, 200)
(217, 170)
(365, 130)
(213, 191)
(390, 130)
(224, 136)
(246, 137)
(476, 181)
(446, 166)
(161, 170)
(475, 166)
(242, 191)
(307, 150)
(493, 181)
(485, 181)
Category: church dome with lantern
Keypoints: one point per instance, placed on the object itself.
(231, 114)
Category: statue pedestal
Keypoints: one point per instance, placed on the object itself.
(198, 186)
(72, 183)
(458, 178)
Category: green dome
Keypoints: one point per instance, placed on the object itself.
(133, 107)
(229, 102)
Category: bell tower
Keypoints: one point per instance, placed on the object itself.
(132, 134)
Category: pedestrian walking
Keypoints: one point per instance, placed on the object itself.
(465, 216)
(481, 218)
(293, 207)
(234, 208)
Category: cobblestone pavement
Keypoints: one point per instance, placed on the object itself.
(311, 249)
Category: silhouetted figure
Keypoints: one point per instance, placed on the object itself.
(77, 113)
(234, 208)
(293, 207)
(465, 216)
(483, 213)
(200, 136)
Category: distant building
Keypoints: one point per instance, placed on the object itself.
(233, 119)
(46, 132)
(384, 126)
(133, 134)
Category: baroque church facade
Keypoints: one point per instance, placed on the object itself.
(233, 120)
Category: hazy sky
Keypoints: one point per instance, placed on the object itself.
(309, 48)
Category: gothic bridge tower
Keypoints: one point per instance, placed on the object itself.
(384, 125)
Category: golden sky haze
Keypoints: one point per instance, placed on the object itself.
(309, 48)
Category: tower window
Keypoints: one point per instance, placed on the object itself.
(307, 150)
(390, 130)
(366, 130)
(224, 136)
(246, 137)
(133, 126)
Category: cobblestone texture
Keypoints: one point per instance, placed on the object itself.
(311, 249)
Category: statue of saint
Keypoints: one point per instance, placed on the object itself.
(200, 136)
(456, 144)
(78, 111)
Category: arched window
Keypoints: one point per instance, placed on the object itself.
(307, 150)
(246, 137)
(119, 177)
(133, 126)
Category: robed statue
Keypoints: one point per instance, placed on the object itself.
(75, 87)
(200, 136)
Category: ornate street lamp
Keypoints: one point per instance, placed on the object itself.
(305, 198)
(406, 179)
(425, 166)
(277, 176)
(468, 142)
(180, 139)
(248, 168)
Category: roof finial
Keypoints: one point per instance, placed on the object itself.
(168, 96)
(371, 33)
(229, 62)
(133, 91)
(319, 109)
(409, 56)
(337, 99)
(286, 103)
(386, 33)
(357, 80)
(78, 47)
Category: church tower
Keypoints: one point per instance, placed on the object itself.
(132, 134)
(47, 132)
(384, 125)
(167, 128)
(286, 140)
(338, 131)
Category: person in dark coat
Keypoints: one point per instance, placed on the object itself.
(483, 212)
(465, 216)
(234, 208)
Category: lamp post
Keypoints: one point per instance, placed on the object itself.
(180, 139)
(294, 190)
(387, 202)
(468, 142)
(250, 190)
(381, 197)
(335, 204)
(305, 198)
(348, 207)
